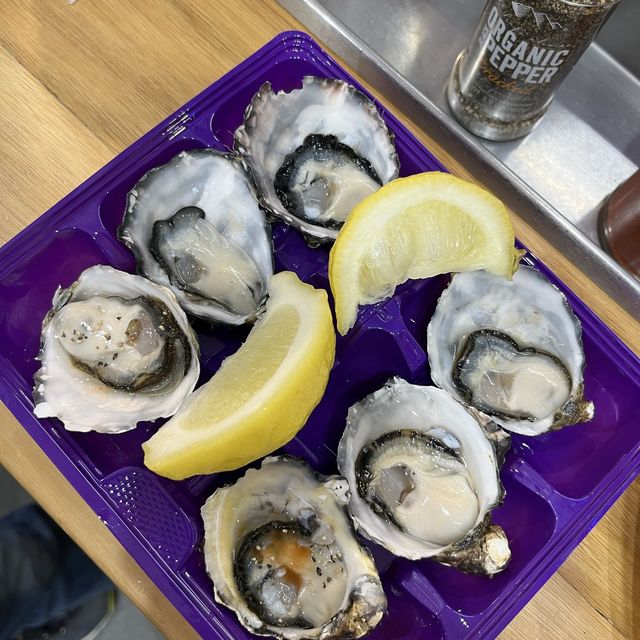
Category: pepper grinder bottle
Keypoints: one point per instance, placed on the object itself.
(502, 84)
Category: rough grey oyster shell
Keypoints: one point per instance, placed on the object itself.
(116, 349)
(424, 477)
(282, 554)
(511, 350)
(326, 141)
(195, 226)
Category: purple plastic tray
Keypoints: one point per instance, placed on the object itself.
(558, 485)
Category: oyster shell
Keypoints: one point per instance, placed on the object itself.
(315, 153)
(116, 349)
(282, 554)
(511, 350)
(195, 226)
(424, 476)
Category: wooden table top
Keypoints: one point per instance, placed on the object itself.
(81, 81)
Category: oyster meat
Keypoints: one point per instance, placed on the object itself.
(511, 350)
(194, 225)
(315, 153)
(424, 477)
(282, 554)
(116, 349)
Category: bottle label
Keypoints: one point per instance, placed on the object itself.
(517, 59)
(522, 52)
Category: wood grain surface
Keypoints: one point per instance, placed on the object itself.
(81, 81)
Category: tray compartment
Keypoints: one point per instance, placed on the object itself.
(408, 617)
(140, 498)
(293, 254)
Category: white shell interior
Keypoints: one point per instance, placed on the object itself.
(400, 405)
(82, 401)
(286, 490)
(217, 184)
(276, 124)
(528, 308)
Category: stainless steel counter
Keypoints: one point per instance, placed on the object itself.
(555, 178)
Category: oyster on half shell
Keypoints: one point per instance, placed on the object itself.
(424, 477)
(282, 554)
(511, 350)
(116, 349)
(315, 153)
(195, 226)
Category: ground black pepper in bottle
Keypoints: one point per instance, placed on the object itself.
(502, 84)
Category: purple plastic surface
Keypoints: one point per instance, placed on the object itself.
(558, 485)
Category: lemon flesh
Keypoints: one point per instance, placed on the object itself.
(261, 396)
(417, 227)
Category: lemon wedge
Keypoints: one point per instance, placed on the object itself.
(417, 227)
(261, 396)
